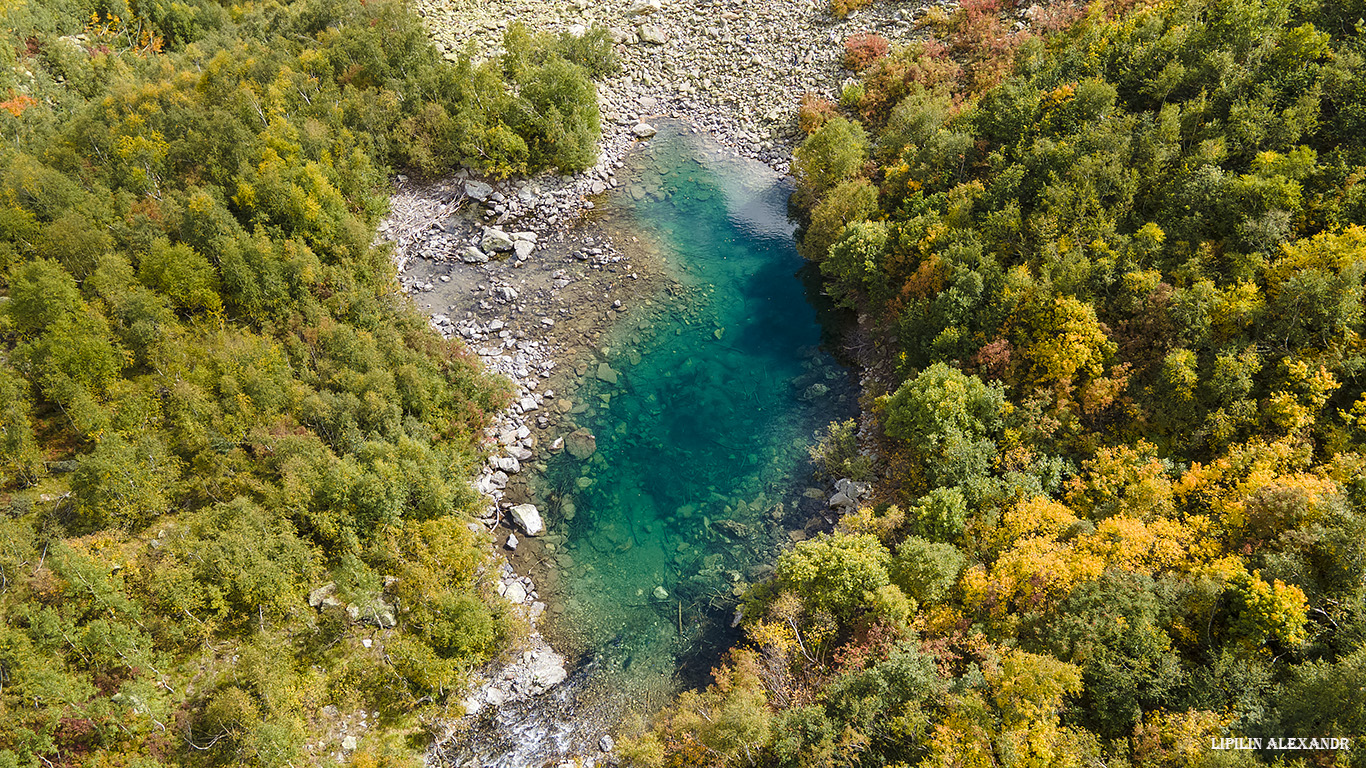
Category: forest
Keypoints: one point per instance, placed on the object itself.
(231, 451)
(1109, 265)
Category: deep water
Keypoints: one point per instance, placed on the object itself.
(703, 404)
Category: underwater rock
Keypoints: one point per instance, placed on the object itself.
(529, 518)
(661, 593)
(606, 373)
(581, 443)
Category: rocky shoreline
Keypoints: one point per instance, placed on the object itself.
(513, 269)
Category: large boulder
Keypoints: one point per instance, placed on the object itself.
(529, 518)
(478, 190)
(496, 240)
(580, 443)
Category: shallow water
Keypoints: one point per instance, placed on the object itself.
(703, 405)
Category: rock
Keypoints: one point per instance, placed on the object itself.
(529, 518)
(316, 597)
(606, 744)
(349, 744)
(605, 373)
(815, 392)
(523, 248)
(852, 489)
(557, 445)
(478, 190)
(512, 542)
(643, 130)
(528, 404)
(581, 443)
(654, 35)
(472, 705)
(843, 501)
(577, 30)
(516, 593)
(472, 255)
(644, 7)
(661, 593)
(496, 240)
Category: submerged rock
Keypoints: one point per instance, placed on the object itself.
(661, 593)
(606, 373)
(581, 443)
(529, 518)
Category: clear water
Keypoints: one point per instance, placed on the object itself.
(702, 440)
(701, 458)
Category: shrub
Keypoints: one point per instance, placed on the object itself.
(861, 50)
(836, 452)
(842, 8)
(813, 112)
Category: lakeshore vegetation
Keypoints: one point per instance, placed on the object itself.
(214, 400)
(1111, 268)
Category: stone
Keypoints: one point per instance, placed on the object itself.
(529, 518)
(516, 593)
(523, 248)
(512, 542)
(528, 404)
(843, 501)
(606, 373)
(581, 443)
(644, 7)
(472, 705)
(472, 255)
(317, 596)
(478, 190)
(853, 489)
(557, 445)
(577, 30)
(349, 743)
(661, 593)
(654, 35)
(606, 744)
(496, 240)
(643, 130)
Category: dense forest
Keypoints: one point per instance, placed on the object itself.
(231, 451)
(1110, 267)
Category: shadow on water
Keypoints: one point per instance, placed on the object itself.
(702, 404)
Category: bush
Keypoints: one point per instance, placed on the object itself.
(836, 453)
(861, 50)
(813, 112)
(830, 155)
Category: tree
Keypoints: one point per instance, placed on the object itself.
(830, 155)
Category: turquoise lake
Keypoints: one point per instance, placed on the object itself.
(703, 405)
